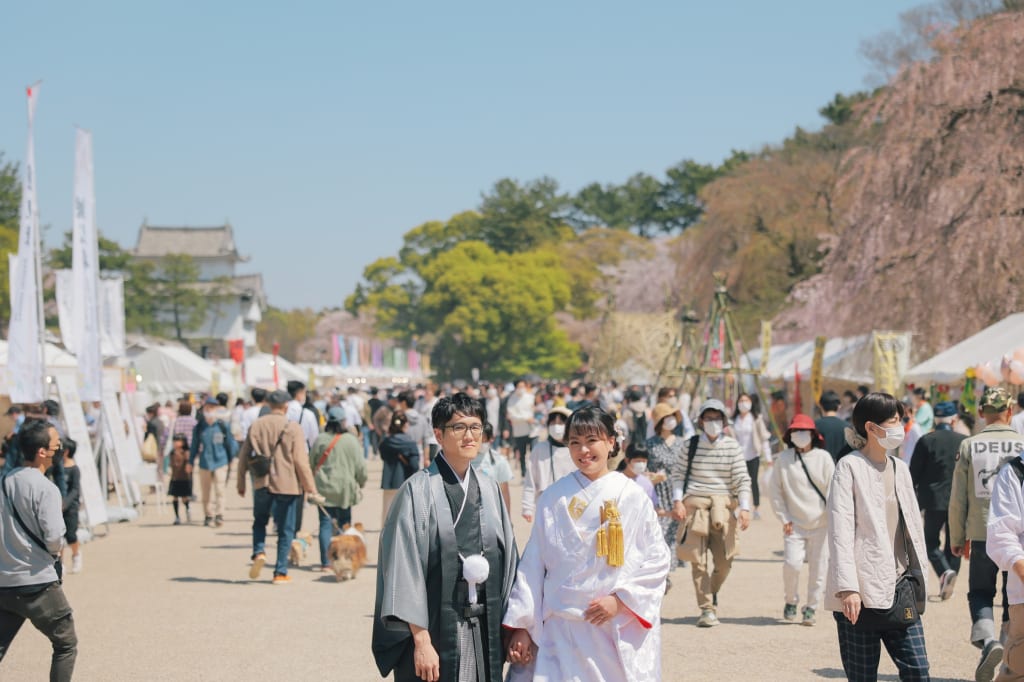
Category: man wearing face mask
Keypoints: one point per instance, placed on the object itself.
(711, 480)
(799, 490)
(978, 462)
(214, 447)
(549, 460)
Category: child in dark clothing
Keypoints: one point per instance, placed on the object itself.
(181, 478)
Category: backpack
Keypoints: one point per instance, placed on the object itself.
(1018, 468)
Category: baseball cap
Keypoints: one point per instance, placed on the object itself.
(210, 400)
(995, 399)
(279, 397)
(336, 414)
(945, 409)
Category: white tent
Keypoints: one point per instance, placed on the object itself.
(169, 371)
(849, 359)
(259, 371)
(988, 345)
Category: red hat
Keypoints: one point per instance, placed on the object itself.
(802, 422)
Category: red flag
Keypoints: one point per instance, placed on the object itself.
(236, 349)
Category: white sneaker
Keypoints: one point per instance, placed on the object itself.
(76, 563)
(946, 584)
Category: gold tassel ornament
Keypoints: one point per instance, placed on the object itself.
(602, 542)
(616, 544)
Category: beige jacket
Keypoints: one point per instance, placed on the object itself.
(290, 473)
(860, 552)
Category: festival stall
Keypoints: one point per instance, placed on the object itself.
(990, 353)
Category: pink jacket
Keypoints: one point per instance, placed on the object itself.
(860, 552)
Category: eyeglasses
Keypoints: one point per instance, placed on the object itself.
(460, 429)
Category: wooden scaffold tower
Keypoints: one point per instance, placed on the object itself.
(713, 368)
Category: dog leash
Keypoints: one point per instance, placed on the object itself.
(334, 521)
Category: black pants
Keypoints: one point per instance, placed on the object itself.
(941, 557)
(50, 613)
(520, 445)
(753, 466)
(981, 594)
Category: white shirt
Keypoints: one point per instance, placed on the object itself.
(249, 416)
(1005, 534)
(543, 468)
(305, 419)
(520, 413)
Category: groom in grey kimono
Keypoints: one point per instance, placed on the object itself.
(446, 563)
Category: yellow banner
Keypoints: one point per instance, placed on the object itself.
(766, 344)
(885, 362)
(816, 368)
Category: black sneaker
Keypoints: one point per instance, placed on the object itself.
(789, 613)
(218, 521)
(208, 521)
(808, 614)
(991, 657)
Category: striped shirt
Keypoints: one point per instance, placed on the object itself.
(719, 468)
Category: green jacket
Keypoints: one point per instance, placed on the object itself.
(978, 461)
(343, 473)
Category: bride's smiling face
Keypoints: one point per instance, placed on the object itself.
(590, 450)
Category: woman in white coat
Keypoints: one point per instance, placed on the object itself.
(874, 537)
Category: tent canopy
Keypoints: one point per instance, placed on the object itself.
(168, 371)
(849, 359)
(988, 345)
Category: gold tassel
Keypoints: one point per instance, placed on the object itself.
(616, 543)
(602, 542)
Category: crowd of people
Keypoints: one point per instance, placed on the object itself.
(623, 486)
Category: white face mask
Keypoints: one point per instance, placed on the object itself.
(557, 431)
(669, 424)
(491, 393)
(744, 406)
(713, 428)
(638, 467)
(801, 439)
(894, 436)
(673, 401)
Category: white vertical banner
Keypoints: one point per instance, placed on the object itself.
(93, 493)
(112, 337)
(111, 311)
(65, 294)
(25, 367)
(85, 271)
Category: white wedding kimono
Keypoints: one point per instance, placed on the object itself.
(559, 575)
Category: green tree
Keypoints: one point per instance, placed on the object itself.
(179, 302)
(840, 110)
(140, 309)
(10, 200)
(516, 217)
(601, 206)
(679, 199)
(495, 312)
(286, 327)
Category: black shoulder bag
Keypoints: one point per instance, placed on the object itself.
(903, 613)
(259, 464)
(809, 479)
(57, 564)
(694, 442)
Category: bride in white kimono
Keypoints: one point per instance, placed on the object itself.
(587, 597)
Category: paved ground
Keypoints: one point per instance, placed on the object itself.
(160, 602)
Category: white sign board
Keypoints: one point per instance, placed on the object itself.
(126, 450)
(92, 491)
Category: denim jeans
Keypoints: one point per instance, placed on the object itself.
(284, 509)
(49, 612)
(342, 516)
(367, 446)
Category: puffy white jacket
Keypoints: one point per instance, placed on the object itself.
(861, 557)
(1005, 540)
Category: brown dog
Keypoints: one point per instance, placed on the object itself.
(300, 544)
(348, 552)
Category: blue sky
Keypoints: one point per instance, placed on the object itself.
(326, 130)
